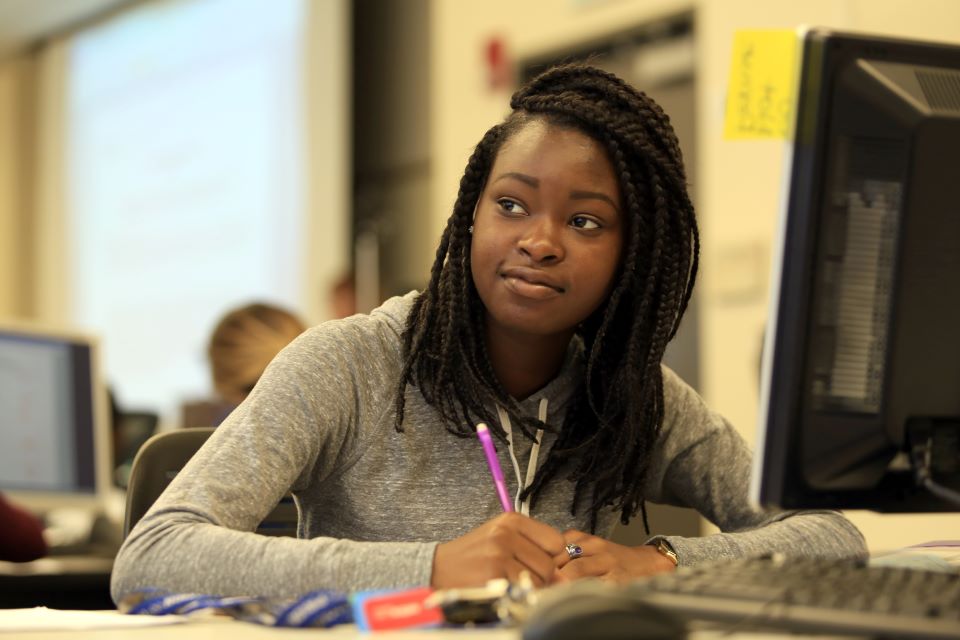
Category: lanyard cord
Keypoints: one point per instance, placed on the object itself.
(518, 505)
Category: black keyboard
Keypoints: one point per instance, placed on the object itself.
(816, 596)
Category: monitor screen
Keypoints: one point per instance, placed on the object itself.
(860, 401)
(53, 442)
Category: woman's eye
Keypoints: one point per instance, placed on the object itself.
(511, 206)
(583, 222)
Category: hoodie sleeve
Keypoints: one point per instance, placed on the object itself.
(298, 426)
(703, 463)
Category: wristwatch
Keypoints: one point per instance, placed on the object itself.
(666, 549)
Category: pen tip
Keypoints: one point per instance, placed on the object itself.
(481, 427)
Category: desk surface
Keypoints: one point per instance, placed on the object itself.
(226, 629)
(12, 576)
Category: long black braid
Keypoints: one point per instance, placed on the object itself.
(616, 414)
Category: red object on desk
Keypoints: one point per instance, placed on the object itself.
(396, 610)
(21, 534)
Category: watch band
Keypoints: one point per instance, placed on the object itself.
(666, 549)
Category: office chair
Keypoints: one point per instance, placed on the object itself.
(161, 458)
(131, 429)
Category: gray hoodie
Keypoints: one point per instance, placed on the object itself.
(374, 503)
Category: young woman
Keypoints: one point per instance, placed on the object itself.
(564, 271)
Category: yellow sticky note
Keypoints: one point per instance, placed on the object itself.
(761, 99)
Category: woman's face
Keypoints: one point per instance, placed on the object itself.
(547, 233)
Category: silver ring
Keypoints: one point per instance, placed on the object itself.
(574, 551)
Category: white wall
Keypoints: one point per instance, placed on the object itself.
(36, 233)
(32, 255)
(739, 181)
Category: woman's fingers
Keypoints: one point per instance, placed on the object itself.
(576, 540)
(587, 567)
(602, 558)
(509, 544)
(500, 548)
(543, 535)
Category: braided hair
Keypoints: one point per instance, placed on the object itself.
(616, 413)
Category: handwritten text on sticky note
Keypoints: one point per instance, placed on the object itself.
(760, 94)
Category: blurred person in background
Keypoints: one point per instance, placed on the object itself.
(343, 296)
(244, 342)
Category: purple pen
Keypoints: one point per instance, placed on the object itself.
(484, 434)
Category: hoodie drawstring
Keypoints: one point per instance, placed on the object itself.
(523, 506)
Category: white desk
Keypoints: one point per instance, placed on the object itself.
(226, 629)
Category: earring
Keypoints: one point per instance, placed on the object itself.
(470, 229)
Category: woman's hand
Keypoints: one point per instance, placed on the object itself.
(608, 560)
(502, 547)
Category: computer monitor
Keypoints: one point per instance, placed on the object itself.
(861, 374)
(54, 440)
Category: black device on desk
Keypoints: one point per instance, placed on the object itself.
(861, 378)
(861, 375)
(811, 595)
(592, 609)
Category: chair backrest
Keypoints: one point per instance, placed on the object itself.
(163, 456)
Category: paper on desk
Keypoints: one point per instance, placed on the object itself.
(937, 555)
(44, 619)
